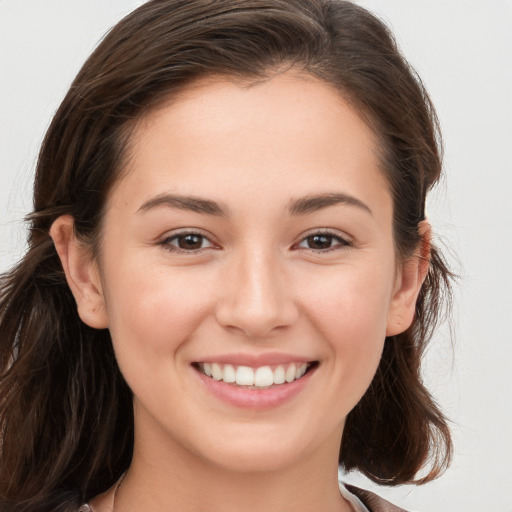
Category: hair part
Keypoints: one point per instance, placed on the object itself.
(66, 419)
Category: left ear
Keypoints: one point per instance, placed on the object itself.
(408, 284)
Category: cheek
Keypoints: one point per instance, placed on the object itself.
(153, 310)
(351, 302)
(350, 311)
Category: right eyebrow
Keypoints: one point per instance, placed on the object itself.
(315, 202)
(185, 202)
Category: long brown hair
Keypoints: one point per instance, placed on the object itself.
(66, 424)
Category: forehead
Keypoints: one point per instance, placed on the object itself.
(290, 134)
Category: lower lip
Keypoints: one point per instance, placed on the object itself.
(256, 399)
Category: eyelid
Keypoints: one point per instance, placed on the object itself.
(345, 240)
(165, 241)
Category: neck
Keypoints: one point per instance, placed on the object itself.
(183, 481)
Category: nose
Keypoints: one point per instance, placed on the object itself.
(257, 299)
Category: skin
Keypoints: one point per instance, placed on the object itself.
(254, 286)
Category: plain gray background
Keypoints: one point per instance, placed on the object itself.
(463, 51)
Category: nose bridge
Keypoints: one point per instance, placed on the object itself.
(257, 298)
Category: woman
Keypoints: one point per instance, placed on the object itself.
(230, 278)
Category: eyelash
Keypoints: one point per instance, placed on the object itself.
(342, 242)
(166, 243)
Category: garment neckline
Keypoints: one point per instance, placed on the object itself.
(353, 500)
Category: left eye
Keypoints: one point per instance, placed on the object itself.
(187, 242)
(322, 242)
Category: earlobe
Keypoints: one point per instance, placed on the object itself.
(409, 281)
(81, 273)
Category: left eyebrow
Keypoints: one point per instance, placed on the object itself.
(312, 203)
(185, 202)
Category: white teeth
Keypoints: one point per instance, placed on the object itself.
(279, 375)
(290, 374)
(245, 376)
(261, 377)
(264, 376)
(300, 371)
(216, 371)
(229, 374)
(207, 369)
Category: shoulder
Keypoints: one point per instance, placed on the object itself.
(373, 502)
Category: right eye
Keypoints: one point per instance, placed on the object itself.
(186, 242)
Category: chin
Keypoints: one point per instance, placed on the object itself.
(256, 453)
(255, 461)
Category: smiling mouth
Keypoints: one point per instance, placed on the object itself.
(262, 377)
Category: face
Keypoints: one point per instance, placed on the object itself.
(250, 240)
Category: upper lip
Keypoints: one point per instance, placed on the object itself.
(256, 360)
